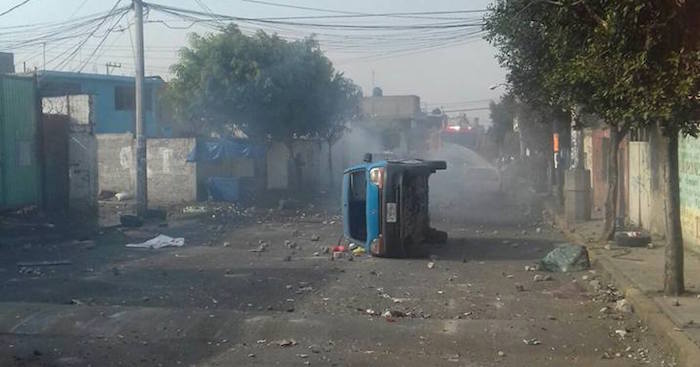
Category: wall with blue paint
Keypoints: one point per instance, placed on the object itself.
(108, 119)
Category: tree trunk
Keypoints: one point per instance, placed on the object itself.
(331, 181)
(611, 199)
(673, 267)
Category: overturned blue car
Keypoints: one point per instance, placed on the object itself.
(385, 206)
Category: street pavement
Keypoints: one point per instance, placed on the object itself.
(220, 301)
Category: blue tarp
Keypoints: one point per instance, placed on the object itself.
(214, 150)
(231, 189)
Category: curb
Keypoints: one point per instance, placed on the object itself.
(673, 338)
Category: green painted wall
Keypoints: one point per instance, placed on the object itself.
(20, 172)
(689, 172)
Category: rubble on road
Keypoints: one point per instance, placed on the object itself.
(566, 258)
(623, 306)
(286, 343)
(159, 241)
(392, 314)
(533, 341)
(262, 246)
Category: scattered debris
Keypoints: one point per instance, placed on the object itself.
(358, 251)
(431, 265)
(519, 287)
(159, 241)
(315, 238)
(566, 258)
(632, 239)
(623, 306)
(122, 196)
(532, 341)
(501, 353)
(43, 263)
(286, 342)
(392, 314)
(621, 333)
(262, 246)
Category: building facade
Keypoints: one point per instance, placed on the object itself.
(113, 99)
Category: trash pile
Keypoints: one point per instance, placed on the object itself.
(215, 211)
(347, 251)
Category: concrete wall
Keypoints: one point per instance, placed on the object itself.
(115, 162)
(639, 193)
(279, 163)
(277, 166)
(171, 179)
(689, 171)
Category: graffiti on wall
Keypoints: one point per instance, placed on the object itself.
(689, 172)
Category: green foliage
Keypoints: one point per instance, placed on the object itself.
(630, 62)
(502, 115)
(261, 84)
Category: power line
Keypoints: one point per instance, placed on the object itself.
(468, 109)
(192, 14)
(352, 13)
(14, 7)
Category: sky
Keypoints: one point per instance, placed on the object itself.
(453, 76)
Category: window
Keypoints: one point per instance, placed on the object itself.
(358, 186)
(124, 99)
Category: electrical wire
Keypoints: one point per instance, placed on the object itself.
(8, 11)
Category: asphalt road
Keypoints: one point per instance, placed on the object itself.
(215, 302)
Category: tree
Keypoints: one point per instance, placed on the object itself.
(632, 63)
(502, 115)
(269, 88)
(342, 102)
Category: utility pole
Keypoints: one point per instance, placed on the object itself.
(113, 65)
(141, 179)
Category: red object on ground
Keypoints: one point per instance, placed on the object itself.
(339, 248)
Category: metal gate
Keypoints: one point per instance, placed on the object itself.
(20, 169)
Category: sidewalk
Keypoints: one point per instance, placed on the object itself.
(638, 272)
